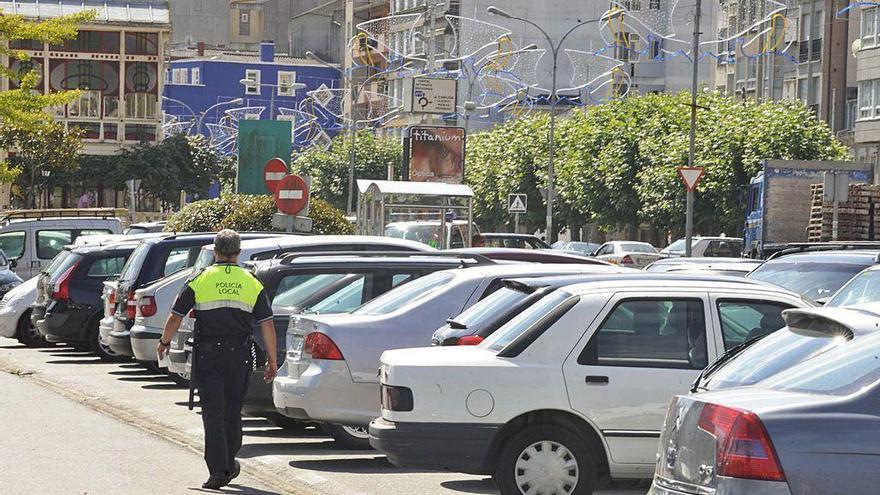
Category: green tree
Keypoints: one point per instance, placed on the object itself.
(329, 168)
(38, 147)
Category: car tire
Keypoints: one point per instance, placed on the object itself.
(349, 437)
(28, 334)
(99, 348)
(558, 453)
(288, 424)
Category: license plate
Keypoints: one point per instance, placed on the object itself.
(294, 352)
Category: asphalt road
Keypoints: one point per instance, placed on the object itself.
(71, 424)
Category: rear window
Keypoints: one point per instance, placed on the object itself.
(524, 321)
(64, 264)
(632, 247)
(863, 288)
(205, 259)
(106, 267)
(406, 294)
(491, 308)
(135, 262)
(772, 354)
(843, 371)
(810, 279)
(293, 290)
(53, 265)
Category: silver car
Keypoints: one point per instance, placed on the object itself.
(330, 373)
(813, 428)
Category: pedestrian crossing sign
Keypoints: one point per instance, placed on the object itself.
(516, 203)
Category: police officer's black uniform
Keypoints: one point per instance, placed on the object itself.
(226, 299)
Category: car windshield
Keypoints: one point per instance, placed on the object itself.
(343, 300)
(635, 247)
(135, 262)
(57, 261)
(299, 288)
(863, 288)
(677, 246)
(491, 308)
(844, 371)
(776, 352)
(810, 279)
(205, 259)
(136, 229)
(406, 294)
(523, 321)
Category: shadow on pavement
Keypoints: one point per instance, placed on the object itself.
(235, 489)
(162, 386)
(13, 346)
(251, 450)
(145, 378)
(484, 486)
(94, 360)
(371, 465)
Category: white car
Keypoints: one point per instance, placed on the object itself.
(329, 374)
(708, 247)
(572, 388)
(630, 254)
(15, 313)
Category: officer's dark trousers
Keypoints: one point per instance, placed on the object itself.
(222, 373)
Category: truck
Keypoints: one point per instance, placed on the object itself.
(780, 200)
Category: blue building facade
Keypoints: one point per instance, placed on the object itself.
(209, 91)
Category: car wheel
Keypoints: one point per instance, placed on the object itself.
(546, 459)
(288, 424)
(100, 348)
(349, 437)
(28, 334)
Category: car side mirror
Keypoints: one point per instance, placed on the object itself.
(13, 263)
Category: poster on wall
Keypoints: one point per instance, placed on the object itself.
(434, 154)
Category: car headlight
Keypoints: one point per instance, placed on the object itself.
(5, 288)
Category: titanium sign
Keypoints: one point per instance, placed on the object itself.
(430, 95)
(435, 154)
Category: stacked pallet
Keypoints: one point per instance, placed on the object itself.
(858, 218)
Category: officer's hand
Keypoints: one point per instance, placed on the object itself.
(161, 350)
(270, 372)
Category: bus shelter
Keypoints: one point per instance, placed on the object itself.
(435, 213)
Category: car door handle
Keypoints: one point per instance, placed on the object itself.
(596, 380)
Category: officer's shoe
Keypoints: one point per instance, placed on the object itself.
(216, 482)
(236, 470)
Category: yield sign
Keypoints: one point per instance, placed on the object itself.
(690, 176)
(292, 194)
(273, 172)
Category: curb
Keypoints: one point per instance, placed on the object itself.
(269, 476)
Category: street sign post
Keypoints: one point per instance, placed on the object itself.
(691, 177)
(517, 203)
(274, 170)
(292, 195)
(432, 95)
(835, 188)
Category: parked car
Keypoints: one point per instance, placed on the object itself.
(814, 274)
(329, 284)
(153, 259)
(8, 279)
(329, 374)
(68, 307)
(31, 238)
(529, 255)
(586, 248)
(145, 227)
(15, 314)
(861, 289)
(678, 263)
(570, 389)
(516, 295)
(808, 333)
(811, 428)
(259, 250)
(627, 253)
(707, 247)
(427, 232)
(507, 240)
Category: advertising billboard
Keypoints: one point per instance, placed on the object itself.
(435, 154)
(258, 142)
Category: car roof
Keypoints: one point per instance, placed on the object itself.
(409, 223)
(319, 259)
(317, 240)
(730, 267)
(659, 281)
(712, 238)
(842, 256)
(91, 248)
(557, 281)
(530, 269)
(704, 259)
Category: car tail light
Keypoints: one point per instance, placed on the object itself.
(320, 346)
(111, 297)
(396, 398)
(192, 314)
(743, 448)
(470, 340)
(61, 290)
(130, 306)
(626, 260)
(147, 306)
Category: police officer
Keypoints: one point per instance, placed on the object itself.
(226, 299)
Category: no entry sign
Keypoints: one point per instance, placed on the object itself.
(273, 172)
(292, 194)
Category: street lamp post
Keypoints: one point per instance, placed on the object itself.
(551, 149)
(354, 95)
